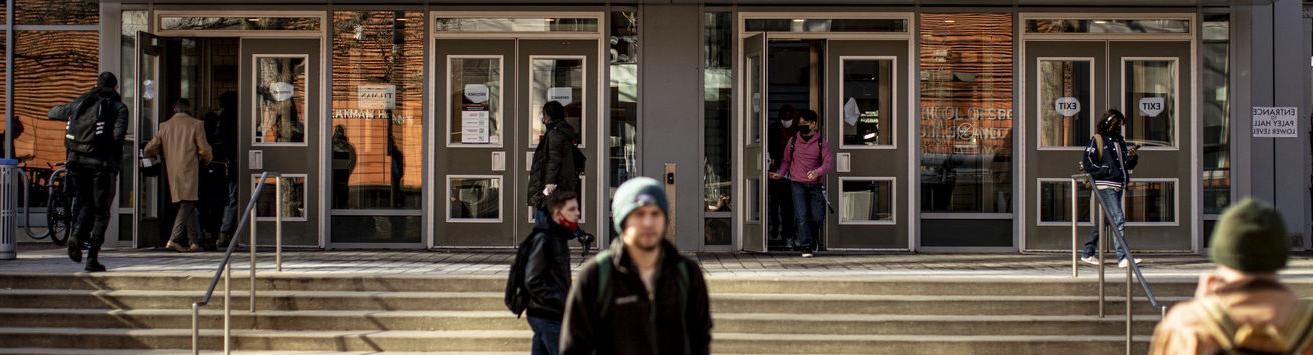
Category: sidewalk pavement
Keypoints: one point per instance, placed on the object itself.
(47, 259)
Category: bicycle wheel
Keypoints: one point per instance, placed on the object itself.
(59, 213)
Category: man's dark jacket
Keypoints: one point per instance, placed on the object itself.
(633, 325)
(109, 150)
(547, 272)
(553, 162)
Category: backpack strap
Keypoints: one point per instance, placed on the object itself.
(1219, 325)
(1098, 142)
(604, 270)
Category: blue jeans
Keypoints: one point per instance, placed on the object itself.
(546, 336)
(809, 209)
(1111, 200)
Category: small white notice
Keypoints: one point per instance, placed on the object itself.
(850, 112)
(376, 96)
(282, 91)
(563, 95)
(476, 93)
(1151, 106)
(474, 127)
(1275, 122)
(148, 89)
(1067, 106)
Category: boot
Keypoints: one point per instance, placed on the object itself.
(74, 249)
(93, 262)
(224, 239)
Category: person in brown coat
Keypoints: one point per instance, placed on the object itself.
(1241, 307)
(182, 139)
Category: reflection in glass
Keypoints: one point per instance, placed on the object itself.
(866, 200)
(187, 23)
(756, 99)
(475, 100)
(560, 80)
(754, 199)
(62, 12)
(826, 25)
(378, 126)
(1055, 202)
(541, 24)
(1108, 26)
(1151, 201)
(966, 113)
(280, 100)
(1216, 110)
(292, 199)
(1150, 102)
(474, 198)
(718, 231)
(133, 22)
(376, 229)
(1064, 103)
(623, 96)
(867, 110)
(717, 112)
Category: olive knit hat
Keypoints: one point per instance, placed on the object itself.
(1250, 237)
(636, 193)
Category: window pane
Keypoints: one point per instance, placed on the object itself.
(1151, 201)
(1216, 113)
(515, 25)
(292, 199)
(133, 22)
(826, 25)
(1064, 102)
(1055, 202)
(719, 231)
(866, 200)
(717, 111)
(475, 100)
(50, 68)
(754, 200)
(62, 12)
(474, 198)
(1151, 100)
(378, 119)
(180, 23)
(280, 100)
(1108, 26)
(966, 113)
(623, 145)
(560, 80)
(377, 229)
(868, 102)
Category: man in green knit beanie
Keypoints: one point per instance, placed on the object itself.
(1241, 307)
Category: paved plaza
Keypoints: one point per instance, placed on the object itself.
(41, 258)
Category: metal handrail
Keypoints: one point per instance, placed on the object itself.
(225, 266)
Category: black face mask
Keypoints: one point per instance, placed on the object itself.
(805, 129)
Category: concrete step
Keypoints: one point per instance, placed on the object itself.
(452, 320)
(492, 301)
(504, 341)
(58, 351)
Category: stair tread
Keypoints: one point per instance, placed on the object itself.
(62, 351)
(922, 338)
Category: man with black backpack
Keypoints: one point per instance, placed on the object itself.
(640, 297)
(540, 277)
(1241, 307)
(97, 126)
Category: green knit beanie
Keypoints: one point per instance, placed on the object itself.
(636, 193)
(1250, 237)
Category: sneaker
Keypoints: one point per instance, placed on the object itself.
(175, 246)
(806, 254)
(1092, 260)
(94, 266)
(1126, 263)
(194, 248)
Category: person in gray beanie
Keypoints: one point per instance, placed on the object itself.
(1241, 307)
(640, 296)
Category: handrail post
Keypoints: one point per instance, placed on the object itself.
(1098, 207)
(1075, 268)
(227, 307)
(196, 328)
(1129, 316)
(255, 219)
(278, 224)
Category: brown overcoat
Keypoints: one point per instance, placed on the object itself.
(182, 138)
(1185, 329)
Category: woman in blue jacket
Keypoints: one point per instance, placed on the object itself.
(1110, 169)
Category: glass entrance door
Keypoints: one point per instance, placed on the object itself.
(755, 162)
(489, 101)
(1075, 82)
(146, 224)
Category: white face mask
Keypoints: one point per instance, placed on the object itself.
(786, 123)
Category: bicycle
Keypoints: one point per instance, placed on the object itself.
(59, 206)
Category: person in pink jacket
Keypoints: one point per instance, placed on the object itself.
(806, 161)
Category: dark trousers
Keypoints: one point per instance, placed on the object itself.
(185, 229)
(546, 336)
(809, 209)
(93, 188)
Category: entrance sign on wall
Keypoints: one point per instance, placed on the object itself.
(1275, 122)
(1151, 106)
(474, 127)
(281, 91)
(376, 97)
(564, 95)
(1067, 106)
(476, 93)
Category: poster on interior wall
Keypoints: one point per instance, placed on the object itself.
(1275, 122)
(282, 91)
(474, 127)
(376, 97)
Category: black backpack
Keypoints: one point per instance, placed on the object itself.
(517, 294)
(85, 126)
